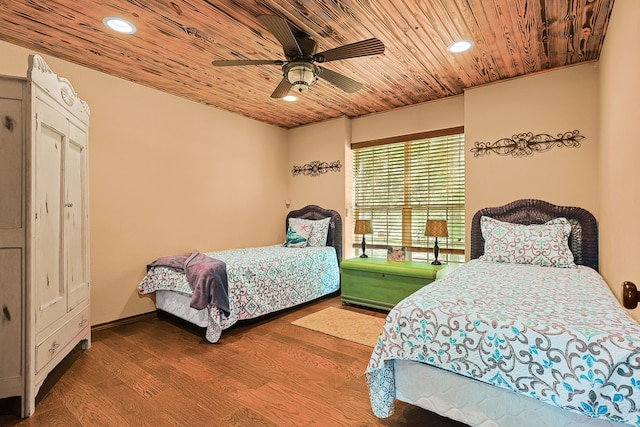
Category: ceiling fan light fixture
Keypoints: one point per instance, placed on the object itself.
(301, 75)
(290, 98)
(299, 70)
(120, 25)
(460, 46)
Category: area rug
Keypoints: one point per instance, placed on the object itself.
(345, 324)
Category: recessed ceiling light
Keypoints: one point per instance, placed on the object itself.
(290, 98)
(460, 46)
(120, 25)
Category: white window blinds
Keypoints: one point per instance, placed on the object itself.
(399, 185)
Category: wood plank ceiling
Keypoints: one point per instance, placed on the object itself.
(177, 40)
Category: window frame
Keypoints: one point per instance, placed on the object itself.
(420, 251)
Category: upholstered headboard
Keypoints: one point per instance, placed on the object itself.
(313, 212)
(583, 240)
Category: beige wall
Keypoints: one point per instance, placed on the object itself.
(552, 102)
(440, 114)
(620, 149)
(167, 176)
(324, 142)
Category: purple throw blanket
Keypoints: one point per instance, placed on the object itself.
(207, 277)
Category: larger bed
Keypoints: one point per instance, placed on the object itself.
(260, 280)
(509, 341)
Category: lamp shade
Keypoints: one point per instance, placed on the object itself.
(436, 228)
(301, 75)
(363, 226)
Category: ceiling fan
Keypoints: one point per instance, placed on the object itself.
(300, 70)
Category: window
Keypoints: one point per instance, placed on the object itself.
(399, 183)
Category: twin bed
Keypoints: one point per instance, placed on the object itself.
(527, 333)
(259, 280)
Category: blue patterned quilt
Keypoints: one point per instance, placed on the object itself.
(556, 334)
(261, 281)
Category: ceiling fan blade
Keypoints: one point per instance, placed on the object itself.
(234, 62)
(282, 89)
(341, 81)
(281, 31)
(353, 50)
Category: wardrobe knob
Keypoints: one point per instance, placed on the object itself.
(54, 347)
(69, 205)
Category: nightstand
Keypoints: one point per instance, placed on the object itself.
(378, 283)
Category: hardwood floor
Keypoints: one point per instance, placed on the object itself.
(162, 372)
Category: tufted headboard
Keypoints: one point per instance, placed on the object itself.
(313, 212)
(583, 240)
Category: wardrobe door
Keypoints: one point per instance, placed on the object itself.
(75, 218)
(12, 239)
(11, 160)
(10, 320)
(50, 300)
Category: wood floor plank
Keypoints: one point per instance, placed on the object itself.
(266, 372)
(183, 408)
(297, 359)
(135, 409)
(277, 401)
(245, 417)
(58, 417)
(89, 368)
(89, 405)
(121, 368)
(208, 394)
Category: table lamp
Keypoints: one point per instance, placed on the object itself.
(363, 226)
(436, 228)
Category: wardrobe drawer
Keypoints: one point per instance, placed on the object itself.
(59, 340)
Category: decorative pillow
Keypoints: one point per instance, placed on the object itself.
(319, 229)
(538, 244)
(319, 232)
(297, 234)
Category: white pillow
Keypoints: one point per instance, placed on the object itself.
(537, 244)
(319, 230)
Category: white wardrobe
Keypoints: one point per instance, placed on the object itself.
(44, 233)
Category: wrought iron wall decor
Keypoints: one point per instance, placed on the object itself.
(526, 144)
(316, 168)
